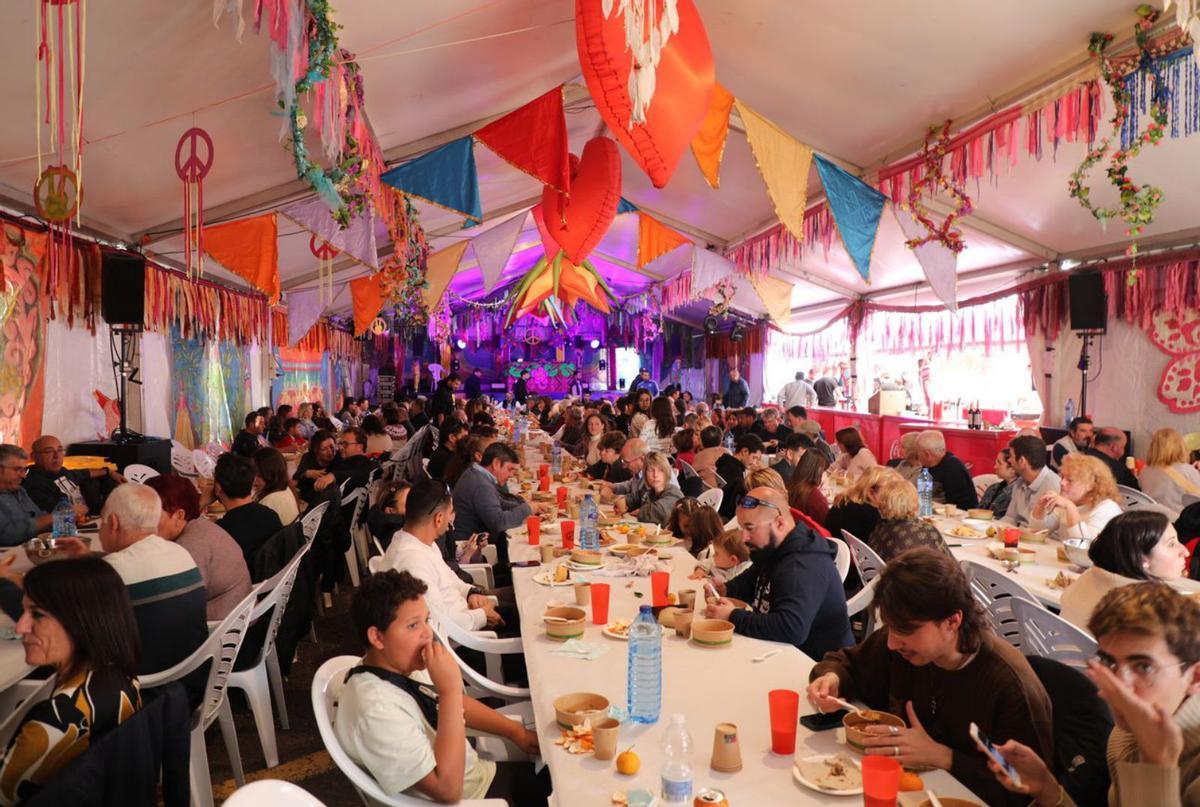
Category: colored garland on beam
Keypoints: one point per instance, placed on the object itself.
(933, 181)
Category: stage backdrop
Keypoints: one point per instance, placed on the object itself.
(23, 310)
(210, 386)
(303, 377)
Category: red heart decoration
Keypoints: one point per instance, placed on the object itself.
(589, 211)
(684, 84)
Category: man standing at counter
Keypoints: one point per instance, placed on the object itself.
(797, 393)
(951, 480)
(827, 389)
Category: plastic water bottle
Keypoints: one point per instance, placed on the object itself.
(63, 519)
(556, 460)
(589, 532)
(925, 492)
(677, 771)
(729, 442)
(1069, 413)
(645, 668)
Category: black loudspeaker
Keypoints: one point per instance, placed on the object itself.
(1089, 304)
(123, 289)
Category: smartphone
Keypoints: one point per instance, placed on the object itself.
(985, 745)
(524, 564)
(823, 721)
(480, 539)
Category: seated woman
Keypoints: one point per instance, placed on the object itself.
(729, 557)
(908, 465)
(899, 529)
(1134, 546)
(684, 443)
(854, 508)
(413, 742)
(322, 449)
(1167, 475)
(589, 448)
(1148, 671)
(856, 457)
(378, 440)
(77, 620)
(804, 488)
(1086, 501)
(386, 516)
(998, 495)
(272, 488)
(658, 496)
(610, 468)
(217, 555)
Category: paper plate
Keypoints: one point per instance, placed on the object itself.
(546, 579)
(799, 776)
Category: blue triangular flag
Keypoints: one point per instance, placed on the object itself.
(445, 177)
(856, 208)
(626, 206)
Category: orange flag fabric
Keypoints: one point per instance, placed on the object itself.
(655, 239)
(247, 247)
(439, 271)
(708, 146)
(366, 293)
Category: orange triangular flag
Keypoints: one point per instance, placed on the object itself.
(366, 293)
(247, 248)
(439, 271)
(655, 238)
(708, 145)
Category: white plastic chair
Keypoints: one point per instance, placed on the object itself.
(182, 460)
(712, 497)
(481, 573)
(357, 497)
(221, 648)
(265, 677)
(1131, 498)
(996, 591)
(136, 472)
(483, 641)
(374, 563)
(1046, 634)
(310, 522)
(983, 482)
(17, 700)
(866, 559)
(842, 561)
(327, 684)
(478, 685)
(203, 462)
(274, 792)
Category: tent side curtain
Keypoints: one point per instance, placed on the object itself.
(323, 337)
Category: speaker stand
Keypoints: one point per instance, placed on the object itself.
(1084, 366)
(121, 348)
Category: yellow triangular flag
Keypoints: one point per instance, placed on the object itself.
(655, 239)
(439, 271)
(776, 295)
(783, 162)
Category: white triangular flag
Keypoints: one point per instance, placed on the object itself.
(939, 261)
(493, 248)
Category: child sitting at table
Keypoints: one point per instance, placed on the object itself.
(726, 557)
(697, 524)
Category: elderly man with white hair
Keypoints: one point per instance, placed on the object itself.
(951, 480)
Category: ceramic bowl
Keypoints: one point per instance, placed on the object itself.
(573, 709)
(1077, 551)
(572, 628)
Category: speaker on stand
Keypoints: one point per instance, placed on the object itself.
(1089, 318)
(122, 305)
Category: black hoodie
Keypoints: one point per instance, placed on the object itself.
(795, 595)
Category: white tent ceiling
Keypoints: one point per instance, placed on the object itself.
(857, 81)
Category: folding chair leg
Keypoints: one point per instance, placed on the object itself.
(276, 677)
(258, 692)
(352, 564)
(229, 735)
(198, 776)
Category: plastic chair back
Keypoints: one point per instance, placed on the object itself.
(310, 522)
(996, 592)
(1047, 634)
(712, 497)
(866, 559)
(842, 561)
(1131, 498)
(136, 472)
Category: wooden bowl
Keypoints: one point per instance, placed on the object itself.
(980, 513)
(586, 557)
(855, 723)
(561, 631)
(712, 632)
(666, 617)
(571, 710)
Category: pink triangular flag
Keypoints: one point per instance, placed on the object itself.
(493, 248)
(304, 308)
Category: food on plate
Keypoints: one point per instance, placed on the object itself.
(963, 531)
(1061, 580)
(619, 627)
(831, 773)
(993, 532)
(561, 574)
(577, 739)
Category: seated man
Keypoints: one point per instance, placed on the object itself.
(451, 432)
(632, 455)
(938, 664)
(1148, 670)
(1108, 446)
(609, 467)
(770, 429)
(249, 522)
(747, 455)
(813, 430)
(952, 482)
(792, 585)
(790, 449)
(247, 440)
(1034, 479)
(47, 481)
(710, 451)
(351, 462)
(20, 518)
(747, 419)
(1078, 438)
(428, 514)
(483, 504)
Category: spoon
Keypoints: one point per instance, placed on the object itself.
(555, 619)
(848, 705)
(765, 655)
(934, 801)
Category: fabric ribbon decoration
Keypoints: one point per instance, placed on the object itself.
(856, 208)
(367, 296)
(784, 163)
(440, 271)
(445, 177)
(708, 146)
(655, 239)
(534, 139)
(494, 247)
(939, 262)
(248, 248)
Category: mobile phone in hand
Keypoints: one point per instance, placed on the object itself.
(986, 746)
(823, 721)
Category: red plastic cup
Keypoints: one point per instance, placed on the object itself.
(561, 493)
(568, 534)
(600, 603)
(881, 781)
(534, 525)
(544, 484)
(544, 469)
(784, 705)
(1012, 537)
(660, 583)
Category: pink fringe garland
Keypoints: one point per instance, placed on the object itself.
(676, 291)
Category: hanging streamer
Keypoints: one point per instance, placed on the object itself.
(324, 252)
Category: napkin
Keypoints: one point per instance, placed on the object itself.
(577, 648)
(640, 566)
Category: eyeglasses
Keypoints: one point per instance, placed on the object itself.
(20, 469)
(1142, 671)
(751, 502)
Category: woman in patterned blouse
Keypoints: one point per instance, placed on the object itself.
(899, 529)
(77, 619)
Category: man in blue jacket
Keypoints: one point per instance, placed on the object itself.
(792, 586)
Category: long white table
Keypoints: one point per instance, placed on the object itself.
(709, 686)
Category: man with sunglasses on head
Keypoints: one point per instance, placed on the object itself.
(792, 585)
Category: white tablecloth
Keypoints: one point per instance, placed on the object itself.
(709, 686)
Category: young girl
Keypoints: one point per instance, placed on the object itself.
(697, 524)
(729, 557)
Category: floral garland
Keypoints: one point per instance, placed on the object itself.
(403, 274)
(935, 179)
(1138, 203)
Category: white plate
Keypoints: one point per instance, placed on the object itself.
(802, 779)
(625, 637)
(583, 567)
(546, 579)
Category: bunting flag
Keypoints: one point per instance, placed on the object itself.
(776, 296)
(856, 208)
(708, 146)
(248, 248)
(444, 177)
(939, 261)
(439, 271)
(356, 240)
(626, 206)
(709, 269)
(783, 162)
(534, 139)
(367, 296)
(493, 248)
(655, 239)
(304, 309)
